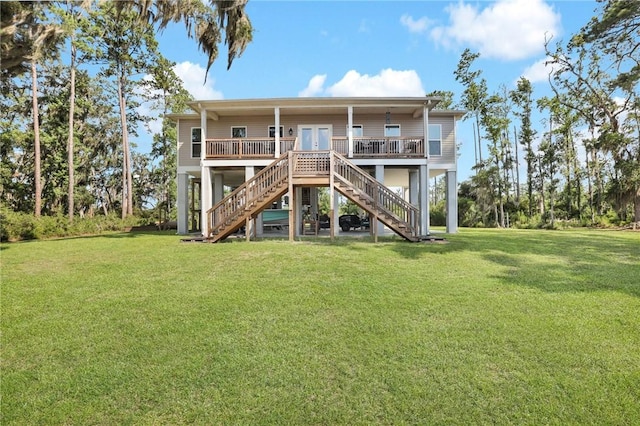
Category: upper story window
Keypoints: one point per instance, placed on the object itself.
(272, 131)
(239, 131)
(358, 130)
(435, 139)
(196, 142)
(392, 130)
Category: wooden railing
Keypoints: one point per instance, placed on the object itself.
(363, 147)
(311, 163)
(251, 197)
(382, 197)
(380, 147)
(249, 194)
(246, 147)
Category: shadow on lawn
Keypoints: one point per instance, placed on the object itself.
(552, 261)
(564, 261)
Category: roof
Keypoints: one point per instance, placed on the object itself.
(324, 105)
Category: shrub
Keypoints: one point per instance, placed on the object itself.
(16, 226)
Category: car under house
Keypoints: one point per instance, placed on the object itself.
(252, 165)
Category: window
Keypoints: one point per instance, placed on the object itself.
(238, 132)
(392, 130)
(272, 131)
(435, 139)
(357, 130)
(196, 142)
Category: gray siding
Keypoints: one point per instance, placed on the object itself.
(258, 126)
(448, 141)
(184, 142)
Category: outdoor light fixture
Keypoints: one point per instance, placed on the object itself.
(388, 117)
(290, 131)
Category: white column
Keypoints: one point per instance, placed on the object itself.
(206, 198)
(182, 203)
(424, 200)
(335, 220)
(297, 210)
(452, 202)
(414, 179)
(425, 117)
(203, 133)
(380, 178)
(206, 195)
(218, 187)
(350, 130)
(277, 124)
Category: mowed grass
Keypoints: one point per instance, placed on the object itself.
(495, 327)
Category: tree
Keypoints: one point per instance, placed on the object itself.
(548, 157)
(127, 49)
(446, 101)
(521, 97)
(475, 92)
(37, 178)
(71, 18)
(494, 119)
(615, 33)
(204, 23)
(581, 82)
(24, 36)
(165, 92)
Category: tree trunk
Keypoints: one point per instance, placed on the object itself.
(127, 196)
(598, 181)
(70, 153)
(479, 138)
(515, 136)
(636, 206)
(577, 173)
(36, 140)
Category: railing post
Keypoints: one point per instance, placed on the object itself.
(350, 130)
(277, 135)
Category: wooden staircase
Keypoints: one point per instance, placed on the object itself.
(378, 200)
(249, 199)
(320, 168)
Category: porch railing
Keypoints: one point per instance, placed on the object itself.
(380, 147)
(363, 147)
(246, 147)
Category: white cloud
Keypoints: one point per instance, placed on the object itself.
(388, 82)
(505, 29)
(314, 87)
(538, 72)
(415, 26)
(192, 76)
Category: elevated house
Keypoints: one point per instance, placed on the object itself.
(247, 164)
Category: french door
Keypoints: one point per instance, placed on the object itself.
(315, 137)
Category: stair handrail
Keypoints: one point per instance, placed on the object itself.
(382, 197)
(234, 205)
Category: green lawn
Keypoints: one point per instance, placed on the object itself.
(495, 327)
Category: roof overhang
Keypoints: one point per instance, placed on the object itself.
(308, 106)
(317, 106)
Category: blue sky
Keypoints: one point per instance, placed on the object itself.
(381, 48)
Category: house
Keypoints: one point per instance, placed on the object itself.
(274, 154)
